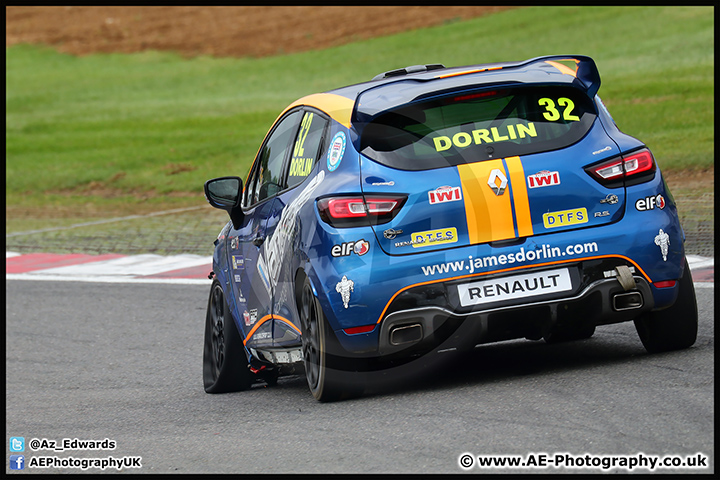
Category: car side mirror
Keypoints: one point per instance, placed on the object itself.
(225, 193)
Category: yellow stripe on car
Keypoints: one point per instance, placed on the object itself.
(489, 216)
(520, 196)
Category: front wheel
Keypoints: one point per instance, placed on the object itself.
(327, 374)
(225, 367)
(675, 327)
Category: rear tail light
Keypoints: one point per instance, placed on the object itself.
(610, 171)
(359, 210)
(344, 207)
(639, 162)
(635, 168)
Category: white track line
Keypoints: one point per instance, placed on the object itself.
(129, 269)
(133, 265)
(697, 262)
(107, 279)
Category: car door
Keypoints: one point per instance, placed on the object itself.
(250, 283)
(284, 223)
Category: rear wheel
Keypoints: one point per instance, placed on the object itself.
(675, 327)
(323, 370)
(225, 367)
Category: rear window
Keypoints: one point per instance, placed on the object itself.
(478, 125)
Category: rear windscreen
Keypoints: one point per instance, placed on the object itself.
(478, 125)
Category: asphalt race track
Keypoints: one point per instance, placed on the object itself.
(122, 361)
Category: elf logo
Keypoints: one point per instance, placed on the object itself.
(649, 203)
(543, 179)
(444, 194)
(360, 248)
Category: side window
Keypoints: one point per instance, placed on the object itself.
(307, 148)
(266, 177)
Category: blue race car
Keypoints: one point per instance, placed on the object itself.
(434, 209)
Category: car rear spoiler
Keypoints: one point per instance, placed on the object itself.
(585, 69)
(400, 89)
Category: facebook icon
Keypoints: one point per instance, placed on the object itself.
(17, 462)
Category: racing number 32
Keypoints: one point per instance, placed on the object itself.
(552, 114)
(304, 129)
(300, 166)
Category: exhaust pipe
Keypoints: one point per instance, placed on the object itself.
(406, 334)
(627, 301)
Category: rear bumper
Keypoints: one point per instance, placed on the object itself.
(431, 316)
(426, 328)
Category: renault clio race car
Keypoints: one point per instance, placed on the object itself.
(435, 209)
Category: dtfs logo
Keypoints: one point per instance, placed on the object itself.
(649, 203)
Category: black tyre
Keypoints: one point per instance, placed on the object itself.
(225, 367)
(328, 374)
(568, 333)
(675, 327)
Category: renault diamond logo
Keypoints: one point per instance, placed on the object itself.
(497, 181)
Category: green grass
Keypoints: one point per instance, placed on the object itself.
(113, 133)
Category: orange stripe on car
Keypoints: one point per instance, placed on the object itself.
(265, 319)
(520, 196)
(338, 107)
(441, 280)
(489, 216)
(563, 68)
(285, 320)
(257, 325)
(464, 72)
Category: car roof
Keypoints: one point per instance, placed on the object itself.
(359, 103)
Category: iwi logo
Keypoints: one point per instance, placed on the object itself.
(543, 179)
(444, 194)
